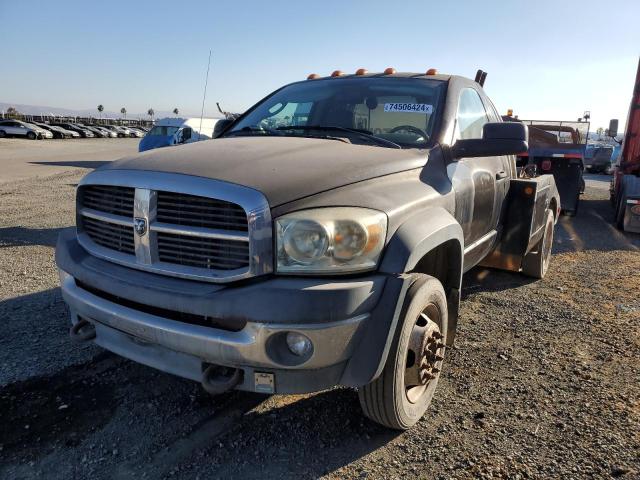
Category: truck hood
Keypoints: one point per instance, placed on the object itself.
(282, 168)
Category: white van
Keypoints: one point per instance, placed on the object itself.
(175, 131)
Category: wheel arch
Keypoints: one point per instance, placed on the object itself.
(430, 242)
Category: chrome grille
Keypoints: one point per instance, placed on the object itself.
(110, 235)
(183, 209)
(217, 232)
(209, 253)
(109, 199)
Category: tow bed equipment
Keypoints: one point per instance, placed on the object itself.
(558, 147)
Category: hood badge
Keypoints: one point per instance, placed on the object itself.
(140, 226)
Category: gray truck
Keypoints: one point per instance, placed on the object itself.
(320, 239)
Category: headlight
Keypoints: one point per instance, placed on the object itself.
(330, 240)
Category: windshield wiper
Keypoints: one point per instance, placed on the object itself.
(251, 130)
(358, 131)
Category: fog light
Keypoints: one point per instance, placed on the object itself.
(299, 344)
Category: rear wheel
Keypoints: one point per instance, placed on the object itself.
(536, 263)
(31, 135)
(3, 134)
(400, 396)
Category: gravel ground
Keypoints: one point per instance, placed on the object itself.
(544, 380)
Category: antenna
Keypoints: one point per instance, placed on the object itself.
(204, 96)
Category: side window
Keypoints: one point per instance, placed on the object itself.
(492, 112)
(471, 115)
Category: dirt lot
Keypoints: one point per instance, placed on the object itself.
(21, 158)
(544, 380)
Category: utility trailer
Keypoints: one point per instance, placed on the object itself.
(625, 184)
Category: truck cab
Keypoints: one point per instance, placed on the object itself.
(177, 131)
(320, 239)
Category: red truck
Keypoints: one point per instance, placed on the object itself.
(625, 184)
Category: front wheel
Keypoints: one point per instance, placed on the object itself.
(3, 134)
(536, 263)
(400, 396)
(31, 135)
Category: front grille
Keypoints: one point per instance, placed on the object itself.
(110, 235)
(182, 234)
(208, 253)
(108, 199)
(184, 317)
(190, 210)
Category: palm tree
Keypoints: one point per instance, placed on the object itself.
(151, 113)
(123, 111)
(176, 111)
(100, 109)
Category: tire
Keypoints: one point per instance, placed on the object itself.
(31, 135)
(387, 400)
(536, 263)
(3, 134)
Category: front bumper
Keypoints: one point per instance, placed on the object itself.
(339, 316)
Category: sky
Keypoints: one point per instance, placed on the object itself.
(548, 60)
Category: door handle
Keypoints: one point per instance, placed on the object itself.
(501, 174)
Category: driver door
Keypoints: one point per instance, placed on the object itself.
(475, 180)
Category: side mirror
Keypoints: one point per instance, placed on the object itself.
(499, 138)
(221, 126)
(613, 127)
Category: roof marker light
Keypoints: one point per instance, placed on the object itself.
(337, 73)
(389, 71)
(313, 76)
(432, 71)
(361, 71)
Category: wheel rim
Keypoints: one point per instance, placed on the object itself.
(424, 354)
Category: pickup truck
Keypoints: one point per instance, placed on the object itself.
(319, 240)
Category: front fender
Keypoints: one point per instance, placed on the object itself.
(420, 234)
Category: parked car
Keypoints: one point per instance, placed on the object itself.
(84, 133)
(106, 131)
(176, 131)
(319, 239)
(600, 162)
(42, 132)
(96, 131)
(118, 130)
(17, 128)
(135, 133)
(58, 132)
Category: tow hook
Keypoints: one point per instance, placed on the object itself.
(217, 379)
(82, 331)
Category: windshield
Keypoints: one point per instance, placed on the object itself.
(162, 131)
(401, 111)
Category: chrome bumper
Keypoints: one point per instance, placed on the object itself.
(333, 342)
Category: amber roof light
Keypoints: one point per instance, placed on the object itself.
(389, 71)
(313, 76)
(432, 71)
(361, 71)
(337, 73)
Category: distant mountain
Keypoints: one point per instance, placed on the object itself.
(67, 112)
